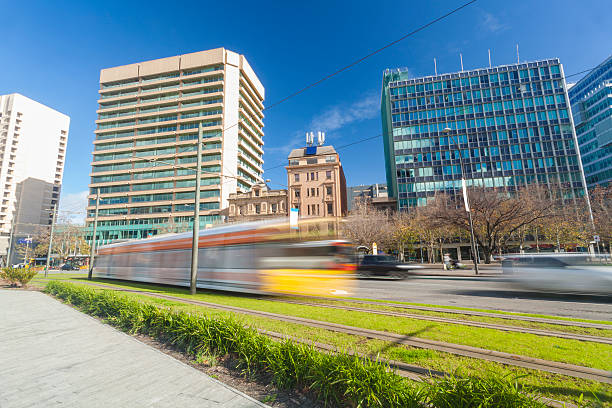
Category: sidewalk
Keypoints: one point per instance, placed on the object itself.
(52, 355)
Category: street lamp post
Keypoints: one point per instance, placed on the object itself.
(467, 203)
(196, 217)
(93, 236)
(50, 238)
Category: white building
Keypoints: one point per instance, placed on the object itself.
(33, 141)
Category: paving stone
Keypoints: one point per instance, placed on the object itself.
(52, 355)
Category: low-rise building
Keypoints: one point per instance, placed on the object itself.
(317, 186)
(367, 192)
(257, 204)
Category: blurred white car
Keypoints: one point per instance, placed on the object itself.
(561, 273)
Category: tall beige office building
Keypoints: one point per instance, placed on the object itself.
(145, 156)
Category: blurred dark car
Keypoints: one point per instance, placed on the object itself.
(372, 266)
(69, 267)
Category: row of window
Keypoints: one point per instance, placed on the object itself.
(506, 181)
(312, 176)
(188, 195)
(498, 166)
(484, 80)
(168, 118)
(499, 106)
(154, 209)
(159, 185)
(313, 192)
(492, 121)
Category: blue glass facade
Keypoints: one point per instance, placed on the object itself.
(591, 100)
(509, 126)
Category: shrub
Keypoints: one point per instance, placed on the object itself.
(17, 275)
(338, 380)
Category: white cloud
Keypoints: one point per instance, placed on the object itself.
(491, 23)
(73, 206)
(339, 116)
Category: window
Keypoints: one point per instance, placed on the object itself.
(328, 174)
(328, 190)
(256, 192)
(297, 193)
(296, 177)
(257, 209)
(274, 208)
(330, 210)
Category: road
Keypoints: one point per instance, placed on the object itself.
(484, 293)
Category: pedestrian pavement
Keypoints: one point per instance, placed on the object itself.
(52, 355)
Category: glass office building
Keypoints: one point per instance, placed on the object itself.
(509, 126)
(591, 100)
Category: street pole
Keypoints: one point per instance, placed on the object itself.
(196, 217)
(93, 236)
(467, 204)
(10, 244)
(50, 239)
(474, 253)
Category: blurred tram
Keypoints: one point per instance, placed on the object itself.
(254, 257)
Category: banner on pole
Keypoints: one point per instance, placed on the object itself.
(293, 218)
(465, 196)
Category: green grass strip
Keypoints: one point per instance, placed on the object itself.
(338, 380)
(588, 354)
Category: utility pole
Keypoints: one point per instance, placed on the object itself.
(10, 244)
(196, 217)
(93, 236)
(50, 238)
(466, 201)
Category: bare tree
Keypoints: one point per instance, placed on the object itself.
(496, 214)
(601, 204)
(366, 225)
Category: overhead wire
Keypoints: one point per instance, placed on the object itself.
(365, 139)
(347, 67)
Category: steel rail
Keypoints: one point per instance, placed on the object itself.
(570, 370)
(539, 332)
(506, 315)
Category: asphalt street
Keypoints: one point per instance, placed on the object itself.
(484, 293)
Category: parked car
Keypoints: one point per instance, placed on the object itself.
(561, 273)
(384, 265)
(69, 267)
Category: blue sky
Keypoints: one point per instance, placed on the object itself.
(53, 51)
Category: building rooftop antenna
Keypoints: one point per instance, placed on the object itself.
(321, 138)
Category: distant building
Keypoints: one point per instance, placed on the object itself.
(257, 204)
(317, 186)
(502, 127)
(591, 100)
(365, 192)
(145, 156)
(33, 140)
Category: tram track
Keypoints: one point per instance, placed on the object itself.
(405, 370)
(457, 349)
(539, 332)
(506, 316)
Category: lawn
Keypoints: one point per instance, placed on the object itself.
(589, 354)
